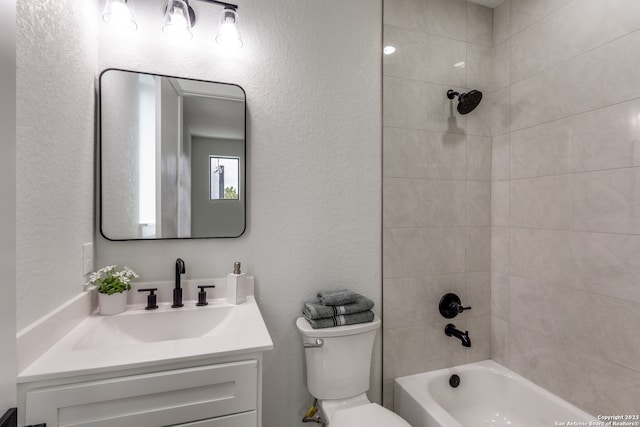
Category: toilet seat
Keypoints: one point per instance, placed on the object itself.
(372, 415)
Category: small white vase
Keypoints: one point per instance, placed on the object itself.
(112, 304)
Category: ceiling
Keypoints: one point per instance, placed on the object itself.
(488, 3)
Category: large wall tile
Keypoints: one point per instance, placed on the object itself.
(500, 209)
(572, 30)
(502, 65)
(527, 12)
(499, 340)
(479, 120)
(500, 157)
(501, 111)
(605, 138)
(424, 57)
(478, 249)
(419, 349)
(500, 295)
(479, 64)
(606, 201)
(422, 106)
(480, 334)
(603, 201)
(541, 202)
(416, 252)
(478, 203)
(423, 203)
(502, 22)
(423, 154)
(605, 264)
(578, 319)
(478, 295)
(479, 24)
(594, 384)
(500, 250)
(413, 301)
(479, 158)
(543, 255)
(446, 18)
(399, 308)
(597, 78)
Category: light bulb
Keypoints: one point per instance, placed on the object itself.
(228, 35)
(118, 14)
(177, 22)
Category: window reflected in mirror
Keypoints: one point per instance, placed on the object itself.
(224, 173)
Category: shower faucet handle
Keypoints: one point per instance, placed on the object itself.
(450, 306)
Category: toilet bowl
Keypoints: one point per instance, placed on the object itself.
(338, 368)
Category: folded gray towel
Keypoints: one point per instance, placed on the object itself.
(315, 310)
(339, 297)
(347, 319)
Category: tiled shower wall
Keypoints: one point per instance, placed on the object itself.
(566, 198)
(436, 184)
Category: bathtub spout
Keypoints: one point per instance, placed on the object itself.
(450, 330)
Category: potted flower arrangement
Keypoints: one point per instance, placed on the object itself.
(112, 288)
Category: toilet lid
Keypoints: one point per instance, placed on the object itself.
(369, 415)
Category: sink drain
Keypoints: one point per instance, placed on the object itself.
(454, 381)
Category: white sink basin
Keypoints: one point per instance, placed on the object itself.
(145, 338)
(163, 324)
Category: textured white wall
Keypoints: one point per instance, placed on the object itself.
(56, 65)
(311, 71)
(8, 207)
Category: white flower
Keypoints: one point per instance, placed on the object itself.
(125, 276)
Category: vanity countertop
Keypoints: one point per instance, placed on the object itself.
(139, 338)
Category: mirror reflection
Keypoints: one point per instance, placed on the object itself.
(172, 157)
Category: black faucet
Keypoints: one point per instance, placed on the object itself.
(177, 291)
(450, 329)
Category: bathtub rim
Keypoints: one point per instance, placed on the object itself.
(409, 384)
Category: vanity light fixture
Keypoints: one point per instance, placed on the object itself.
(179, 18)
(119, 15)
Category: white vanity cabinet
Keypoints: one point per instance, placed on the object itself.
(214, 395)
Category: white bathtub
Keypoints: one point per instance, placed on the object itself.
(488, 395)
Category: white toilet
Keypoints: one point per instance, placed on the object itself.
(338, 365)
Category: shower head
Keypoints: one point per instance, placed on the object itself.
(467, 102)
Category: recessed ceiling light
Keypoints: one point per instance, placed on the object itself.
(388, 50)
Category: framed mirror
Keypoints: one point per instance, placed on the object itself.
(172, 157)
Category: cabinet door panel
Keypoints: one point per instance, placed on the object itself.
(149, 400)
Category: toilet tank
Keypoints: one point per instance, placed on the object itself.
(340, 368)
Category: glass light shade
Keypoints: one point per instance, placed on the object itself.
(119, 15)
(177, 22)
(228, 34)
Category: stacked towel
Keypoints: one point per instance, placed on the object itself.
(347, 319)
(340, 297)
(316, 310)
(338, 308)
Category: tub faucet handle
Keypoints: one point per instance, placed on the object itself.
(450, 306)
